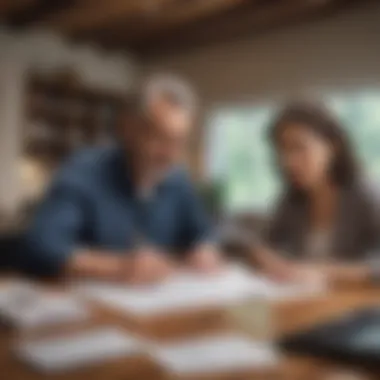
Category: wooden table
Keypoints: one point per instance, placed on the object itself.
(288, 317)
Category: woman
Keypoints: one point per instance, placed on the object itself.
(328, 219)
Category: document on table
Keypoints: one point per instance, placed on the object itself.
(190, 290)
(76, 350)
(25, 305)
(215, 354)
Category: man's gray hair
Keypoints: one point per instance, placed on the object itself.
(171, 88)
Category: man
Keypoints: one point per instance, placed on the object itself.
(127, 212)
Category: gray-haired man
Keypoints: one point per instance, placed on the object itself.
(127, 212)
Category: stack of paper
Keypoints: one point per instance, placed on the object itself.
(24, 305)
(180, 292)
(76, 350)
(191, 290)
(215, 354)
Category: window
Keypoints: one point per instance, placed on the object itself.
(240, 158)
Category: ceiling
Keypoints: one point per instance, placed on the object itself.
(156, 27)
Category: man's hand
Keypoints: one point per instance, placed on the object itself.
(149, 266)
(96, 264)
(206, 259)
(146, 266)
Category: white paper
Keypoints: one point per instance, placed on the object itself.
(76, 350)
(186, 290)
(286, 291)
(25, 305)
(215, 354)
(191, 290)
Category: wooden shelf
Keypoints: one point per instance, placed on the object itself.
(63, 115)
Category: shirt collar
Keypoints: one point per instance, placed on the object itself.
(124, 173)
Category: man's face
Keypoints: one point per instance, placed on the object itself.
(159, 137)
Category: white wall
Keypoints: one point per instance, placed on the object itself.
(44, 52)
(341, 52)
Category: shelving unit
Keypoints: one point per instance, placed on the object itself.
(63, 115)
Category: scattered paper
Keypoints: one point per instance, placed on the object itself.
(215, 354)
(76, 350)
(25, 305)
(191, 290)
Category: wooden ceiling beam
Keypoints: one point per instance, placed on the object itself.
(178, 15)
(186, 13)
(229, 26)
(130, 36)
(88, 15)
(9, 6)
(36, 11)
(255, 14)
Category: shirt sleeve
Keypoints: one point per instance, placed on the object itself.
(54, 233)
(196, 223)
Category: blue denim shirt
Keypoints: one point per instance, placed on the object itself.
(92, 204)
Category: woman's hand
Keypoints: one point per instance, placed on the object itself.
(284, 270)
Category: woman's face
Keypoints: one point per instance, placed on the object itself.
(304, 155)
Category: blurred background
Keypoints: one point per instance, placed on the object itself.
(67, 66)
